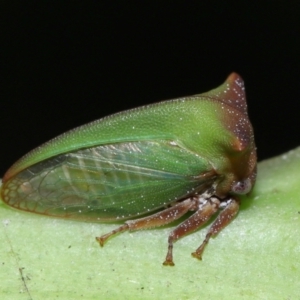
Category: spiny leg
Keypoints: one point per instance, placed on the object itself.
(202, 215)
(158, 219)
(102, 239)
(225, 216)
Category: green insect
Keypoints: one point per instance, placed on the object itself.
(163, 160)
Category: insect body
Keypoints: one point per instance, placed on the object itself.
(194, 153)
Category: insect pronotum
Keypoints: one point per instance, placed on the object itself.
(194, 153)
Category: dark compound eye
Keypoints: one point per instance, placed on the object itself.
(242, 187)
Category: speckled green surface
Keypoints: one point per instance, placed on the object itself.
(255, 257)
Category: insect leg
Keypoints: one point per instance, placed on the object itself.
(205, 210)
(225, 216)
(160, 218)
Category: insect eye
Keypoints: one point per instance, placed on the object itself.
(242, 187)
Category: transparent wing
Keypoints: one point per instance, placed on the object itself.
(110, 182)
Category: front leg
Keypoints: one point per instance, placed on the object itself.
(225, 216)
(206, 208)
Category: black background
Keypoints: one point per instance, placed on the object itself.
(67, 63)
